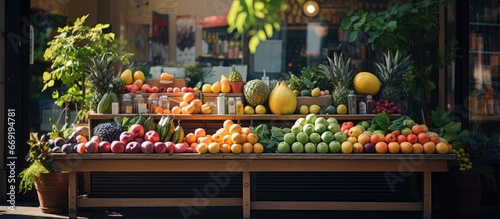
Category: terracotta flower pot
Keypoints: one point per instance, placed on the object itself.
(237, 87)
(52, 191)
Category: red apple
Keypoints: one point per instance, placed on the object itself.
(170, 147)
(184, 89)
(80, 148)
(176, 90)
(401, 138)
(170, 90)
(190, 89)
(412, 138)
(435, 139)
(180, 147)
(423, 138)
(133, 147)
(126, 137)
(152, 136)
(104, 147)
(147, 147)
(137, 130)
(357, 148)
(139, 140)
(91, 147)
(390, 138)
(160, 147)
(117, 147)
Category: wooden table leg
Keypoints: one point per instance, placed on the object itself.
(246, 195)
(427, 195)
(72, 193)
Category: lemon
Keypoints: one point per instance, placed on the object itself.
(249, 110)
(304, 110)
(366, 83)
(314, 109)
(206, 88)
(260, 109)
(315, 92)
(296, 92)
(341, 109)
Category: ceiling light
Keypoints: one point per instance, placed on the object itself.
(311, 8)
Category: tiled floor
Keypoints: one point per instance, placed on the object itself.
(31, 211)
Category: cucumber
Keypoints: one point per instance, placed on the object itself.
(104, 104)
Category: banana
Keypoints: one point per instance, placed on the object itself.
(178, 136)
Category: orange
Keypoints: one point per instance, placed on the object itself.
(200, 132)
(246, 130)
(227, 124)
(188, 97)
(213, 148)
(258, 148)
(236, 148)
(95, 138)
(158, 110)
(183, 104)
(176, 110)
(227, 139)
(236, 138)
(81, 138)
(225, 148)
(247, 148)
(234, 128)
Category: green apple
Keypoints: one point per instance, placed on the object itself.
(327, 137)
(297, 147)
(301, 121)
(365, 124)
(367, 133)
(332, 120)
(406, 131)
(360, 127)
(340, 137)
(319, 128)
(315, 138)
(322, 147)
(289, 138)
(283, 147)
(310, 147)
(334, 127)
(443, 140)
(334, 147)
(321, 120)
(302, 137)
(308, 128)
(311, 118)
(379, 132)
(296, 128)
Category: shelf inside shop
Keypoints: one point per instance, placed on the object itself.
(485, 52)
(484, 24)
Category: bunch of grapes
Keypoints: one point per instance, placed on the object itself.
(464, 159)
(386, 106)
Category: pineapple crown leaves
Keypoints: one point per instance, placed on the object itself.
(235, 75)
(393, 67)
(337, 71)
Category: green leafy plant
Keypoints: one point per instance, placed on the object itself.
(40, 162)
(257, 18)
(309, 78)
(69, 52)
(473, 150)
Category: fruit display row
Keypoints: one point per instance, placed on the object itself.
(142, 135)
(315, 134)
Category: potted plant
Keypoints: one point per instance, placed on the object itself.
(70, 53)
(51, 184)
(469, 174)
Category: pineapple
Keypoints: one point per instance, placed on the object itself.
(338, 74)
(391, 73)
(100, 73)
(235, 76)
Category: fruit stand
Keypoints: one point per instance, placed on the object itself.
(246, 164)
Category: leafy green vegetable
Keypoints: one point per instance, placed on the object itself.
(398, 124)
(440, 117)
(381, 122)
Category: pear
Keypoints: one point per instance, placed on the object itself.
(223, 79)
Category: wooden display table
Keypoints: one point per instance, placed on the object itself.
(246, 164)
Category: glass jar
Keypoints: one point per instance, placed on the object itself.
(221, 104)
(152, 104)
(127, 104)
(139, 104)
(231, 106)
(164, 102)
(351, 102)
(239, 106)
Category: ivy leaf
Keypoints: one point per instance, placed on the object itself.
(46, 76)
(55, 94)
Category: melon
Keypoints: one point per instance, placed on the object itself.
(366, 83)
(256, 92)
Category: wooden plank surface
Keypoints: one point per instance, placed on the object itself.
(415, 158)
(340, 205)
(157, 202)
